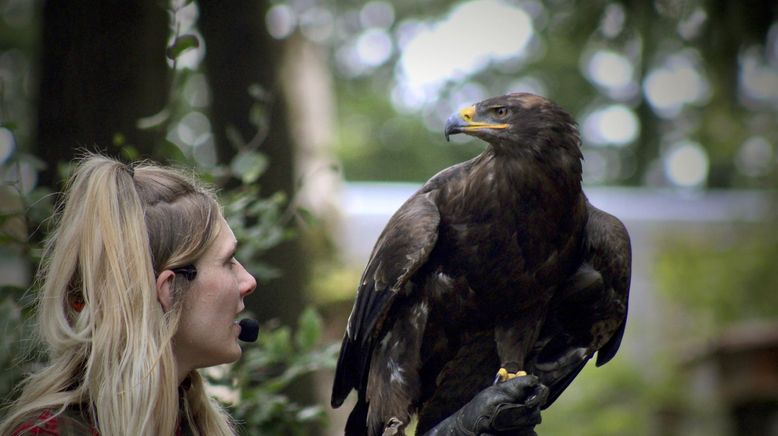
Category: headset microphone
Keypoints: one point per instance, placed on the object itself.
(249, 330)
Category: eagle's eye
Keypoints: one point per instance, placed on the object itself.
(500, 112)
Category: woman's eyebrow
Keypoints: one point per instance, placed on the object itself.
(231, 252)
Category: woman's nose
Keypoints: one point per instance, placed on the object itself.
(248, 283)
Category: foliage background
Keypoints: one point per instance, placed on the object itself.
(265, 97)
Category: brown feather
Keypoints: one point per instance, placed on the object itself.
(500, 259)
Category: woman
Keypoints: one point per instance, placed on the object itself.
(139, 289)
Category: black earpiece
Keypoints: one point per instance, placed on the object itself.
(249, 330)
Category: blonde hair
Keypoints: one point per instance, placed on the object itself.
(116, 227)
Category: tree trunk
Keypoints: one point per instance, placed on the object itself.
(241, 54)
(102, 68)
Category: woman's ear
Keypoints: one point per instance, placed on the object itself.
(165, 289)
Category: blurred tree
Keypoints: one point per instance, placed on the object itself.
(688, 75)
(250, 118)
(102, 68)
(105, 84)
(249, 113)
(722, 281)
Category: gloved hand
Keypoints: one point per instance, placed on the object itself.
(510, 408)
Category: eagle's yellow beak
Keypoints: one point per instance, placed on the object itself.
(464, 121)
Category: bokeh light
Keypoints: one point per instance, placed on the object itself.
(474, 34)
(686, 164)
(193, 129)
(530, 84)
(280, 21)
(374, 47)
(611, 70)
(317, 24)
(674, 84)
(690, 27)
(612, 125)
(376, 14)
(7, 144)
(759, 77)
(755, 157)
(613, 20)
(18, 13)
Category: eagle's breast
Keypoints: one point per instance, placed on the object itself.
(495, 236)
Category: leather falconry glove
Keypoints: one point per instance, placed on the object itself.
(508, 408)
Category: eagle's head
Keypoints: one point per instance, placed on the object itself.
(518, 122)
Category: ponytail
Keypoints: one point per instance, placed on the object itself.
(109, 341)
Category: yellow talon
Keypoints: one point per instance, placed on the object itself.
(504, 375)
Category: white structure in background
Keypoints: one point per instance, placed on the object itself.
(651, 216)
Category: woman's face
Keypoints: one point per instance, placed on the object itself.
(208, 333)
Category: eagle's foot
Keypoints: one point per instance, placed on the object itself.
(504, 375)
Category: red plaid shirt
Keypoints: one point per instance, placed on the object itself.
(69, 423)
(65, 424)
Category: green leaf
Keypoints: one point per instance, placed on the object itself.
(307, 217)
(172, 151)
(259, 92)
(129, 153)
(269, 237)
(34, 161)
(310, 413)
(182, 44)
(248, 166)
(278, 342)
(152, 121)
(119, 139)
(309, 330)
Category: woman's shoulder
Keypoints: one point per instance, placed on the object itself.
(71, 422)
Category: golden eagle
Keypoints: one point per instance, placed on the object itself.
(495, 267)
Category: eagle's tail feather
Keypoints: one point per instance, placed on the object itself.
(344, 374)
(558, 385)
(357, 420)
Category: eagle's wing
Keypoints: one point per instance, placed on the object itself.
(590, 311)
(611, 255)
(403, 247)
